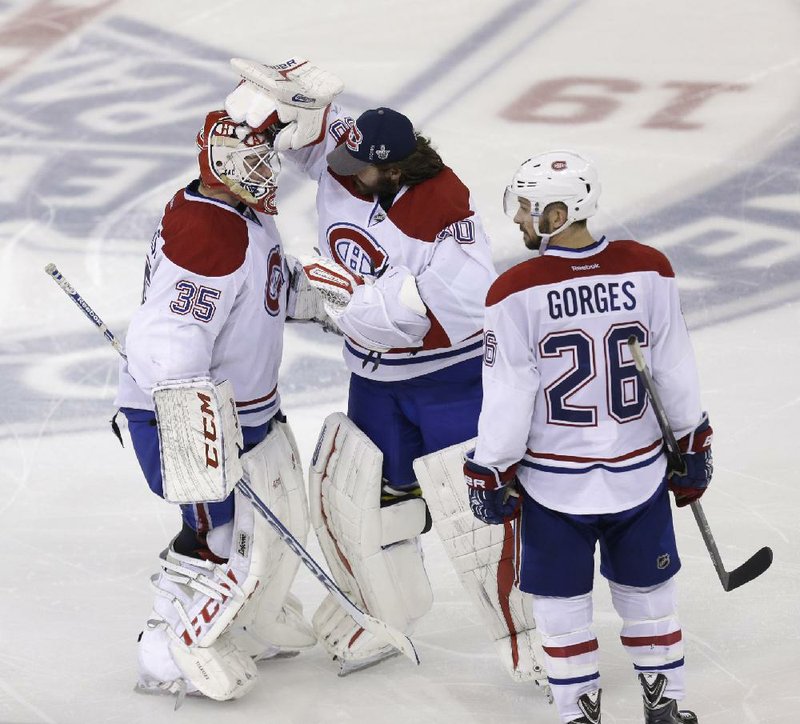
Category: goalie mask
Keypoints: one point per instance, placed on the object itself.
(552, 177)
(241, 160)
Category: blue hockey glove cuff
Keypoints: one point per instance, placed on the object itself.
(695, 450)
(493, 497)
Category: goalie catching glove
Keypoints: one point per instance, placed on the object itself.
(493, 497)
(301, 91)
(332, 282)
(690, 483)
(305, 301)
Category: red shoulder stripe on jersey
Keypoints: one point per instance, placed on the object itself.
(427, 208)
(203, 238)
(619, 257)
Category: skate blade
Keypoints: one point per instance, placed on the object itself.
(176, 689)
(347, 667)
(277, 655)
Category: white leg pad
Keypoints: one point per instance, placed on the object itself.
(200, 601)
(483, 556)
(372, 552)
(274, 618)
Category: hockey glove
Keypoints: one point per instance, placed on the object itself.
(305, 303)
(689, 484)
(493, 496)
(301, 91)
(332, 281)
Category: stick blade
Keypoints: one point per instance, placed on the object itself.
(752, 568)
(390, 635)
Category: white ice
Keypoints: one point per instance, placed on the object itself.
(99, 112)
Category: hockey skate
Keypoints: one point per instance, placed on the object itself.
(659, 709)
(176, 653)
(589, 704)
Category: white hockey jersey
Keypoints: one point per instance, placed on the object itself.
(561, 392)
(433, 230)
(214, 303)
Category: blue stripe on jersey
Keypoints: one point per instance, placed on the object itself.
(576, 680)
(417, 360)
(582, 250)
(674, 665)
(595, 466)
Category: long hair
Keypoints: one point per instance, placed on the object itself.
(422, 164)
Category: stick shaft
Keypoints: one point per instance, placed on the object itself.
(674, 455)
(84, 306)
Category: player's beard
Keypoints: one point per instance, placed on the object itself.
(382, 187)
(530, 239)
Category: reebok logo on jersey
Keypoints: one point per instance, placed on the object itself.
(585, 267)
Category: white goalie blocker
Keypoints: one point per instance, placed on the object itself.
(200, 438)
(483, 556)
(373, 552)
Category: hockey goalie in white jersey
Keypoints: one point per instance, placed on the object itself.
(405, 266)
(199, 390)
(567, 440)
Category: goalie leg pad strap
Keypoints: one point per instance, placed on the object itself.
(483, 556)
(371, 551)
(199, 437)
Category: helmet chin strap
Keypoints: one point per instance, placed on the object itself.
(545, 238)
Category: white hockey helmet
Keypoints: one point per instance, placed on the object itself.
(239, 159)
(550, 177)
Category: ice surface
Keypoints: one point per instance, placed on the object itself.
(690, 111)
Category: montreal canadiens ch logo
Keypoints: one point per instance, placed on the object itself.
(275, 281)
(353, 248)
(354, 138)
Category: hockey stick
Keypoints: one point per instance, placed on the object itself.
(379, 629)
(69, 290)
(759, 561)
